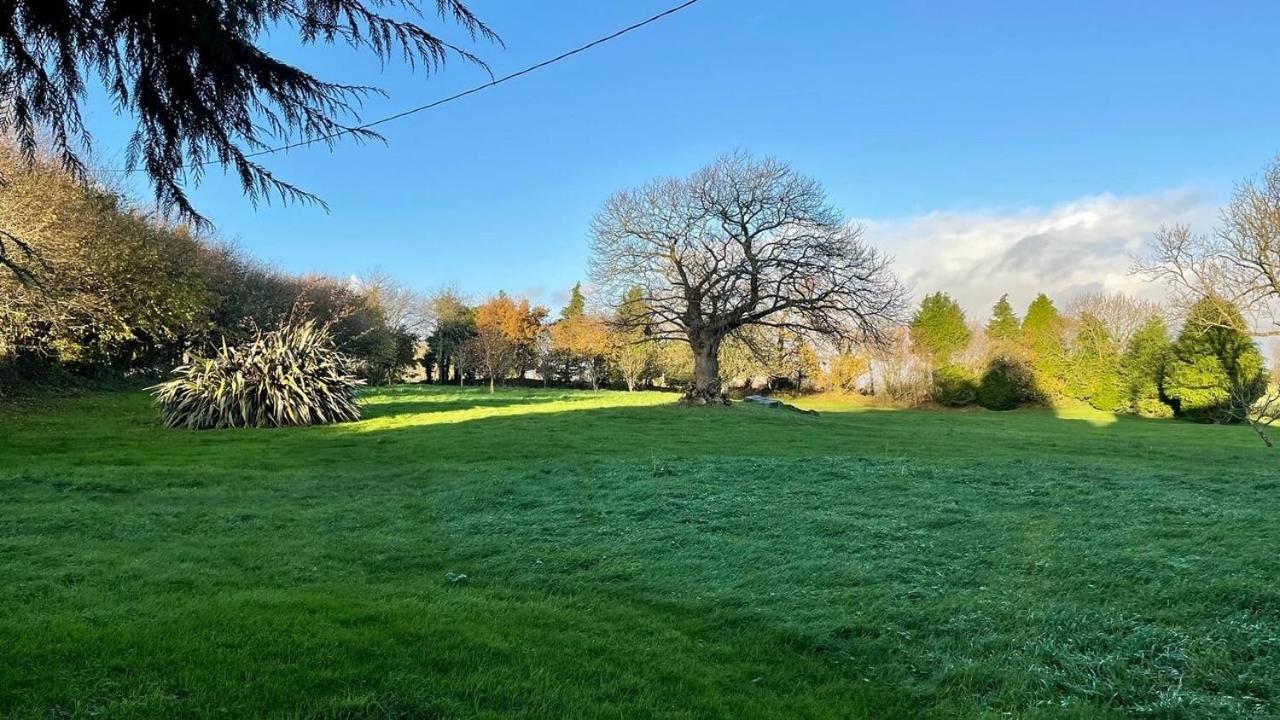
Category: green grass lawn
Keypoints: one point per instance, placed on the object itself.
(627, 558)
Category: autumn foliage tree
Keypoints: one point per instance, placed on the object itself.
(583, 340)
(453, 324)
(500, 327)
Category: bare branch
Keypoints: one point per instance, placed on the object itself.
(742, 242)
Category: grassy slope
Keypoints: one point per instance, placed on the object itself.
(628, 558)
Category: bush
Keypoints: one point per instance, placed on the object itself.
(289, 376)
(845, 373)
(1004, 385)
(1152, 408)
(954, 386)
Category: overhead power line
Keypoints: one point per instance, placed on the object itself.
(476, 89)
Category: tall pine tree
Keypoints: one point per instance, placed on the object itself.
(1142, 370)
(938, 329)
(1042, 338)
(1094, 370)
(577, 306)
(1003, 325)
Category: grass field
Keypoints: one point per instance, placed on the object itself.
(541, 554)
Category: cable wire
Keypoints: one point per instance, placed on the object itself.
(476, 89)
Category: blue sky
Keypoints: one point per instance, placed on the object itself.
(914, 115)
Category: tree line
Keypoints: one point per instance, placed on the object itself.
(109, 290)
(741, 275)
(1110, 350)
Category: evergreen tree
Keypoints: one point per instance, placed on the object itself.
(631, 314)
(632, 354)
(1042, 339)
(577, 306)
(1003, 324)
(1215, 370)
(938, 329)
(1142, 370)
(1094, 375)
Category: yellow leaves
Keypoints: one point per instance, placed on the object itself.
(845, 370)
(503, 316)
(582, 335)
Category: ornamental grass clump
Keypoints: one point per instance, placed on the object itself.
(289, 376)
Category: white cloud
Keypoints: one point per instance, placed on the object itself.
(1071, 248)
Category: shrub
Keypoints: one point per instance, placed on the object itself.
(1004, 385)
(289, 376)
(845, 372)
(954, 386)
(1149, 407)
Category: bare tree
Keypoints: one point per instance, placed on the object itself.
(1121, 314)
(1260, 411)
(897, 374)
(634, 359)
(404, 307)
(1239, 261)
(741, 242)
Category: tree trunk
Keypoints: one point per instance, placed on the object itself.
(490, 383)
(706, 372)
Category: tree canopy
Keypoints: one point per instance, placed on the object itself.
(741, 242)
(1042, 330)
(1004, 324)
(1215, 371)
(938, 328)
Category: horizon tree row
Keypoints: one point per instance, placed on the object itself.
(1112, 351)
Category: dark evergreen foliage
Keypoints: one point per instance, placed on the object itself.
(196, 76)
(1005, 385)
(1214, 370)
(1142, 370)
(938, 329)
(1004, 324)
(954, 386)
